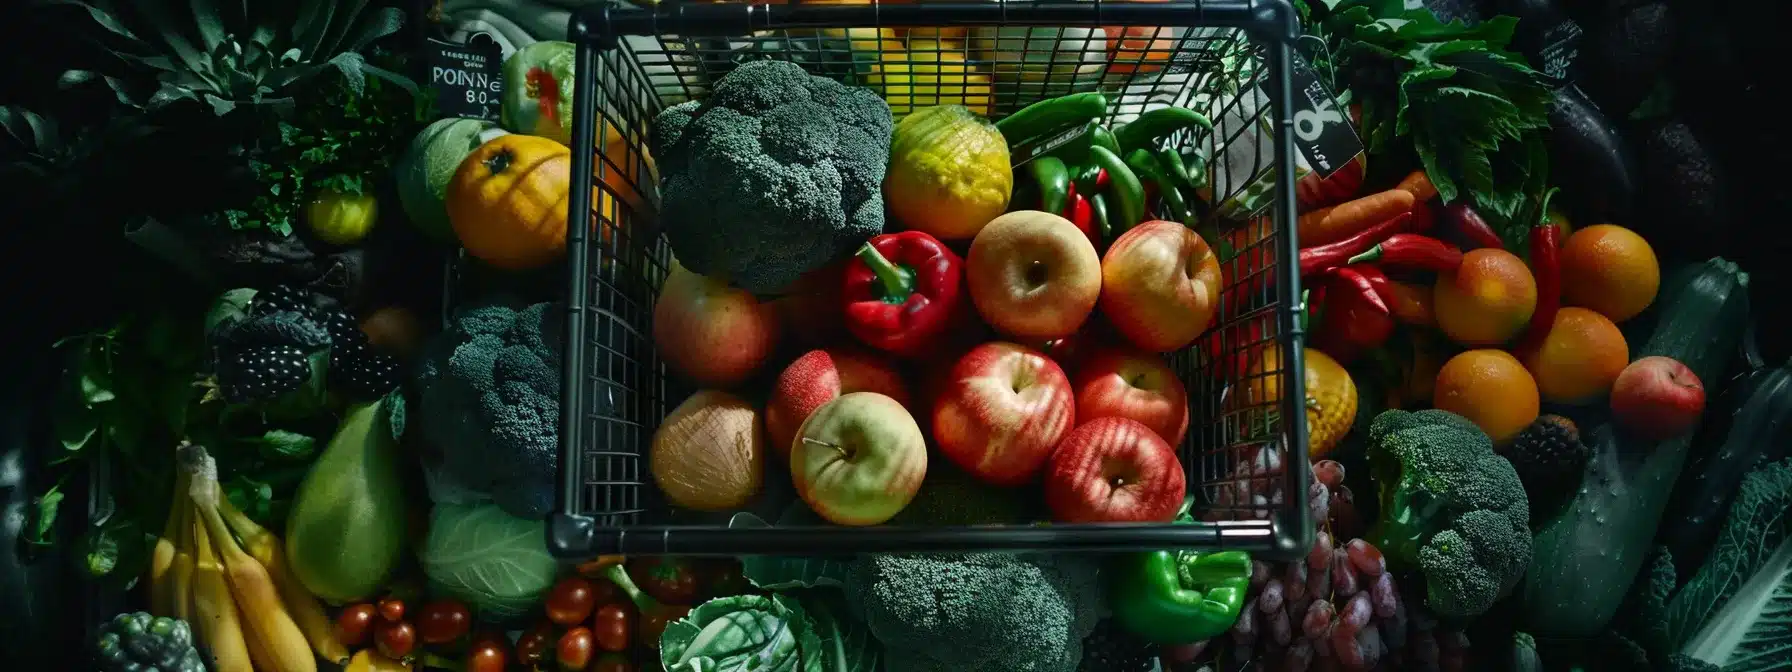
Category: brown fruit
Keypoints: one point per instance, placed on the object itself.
(1488, 300)
(1579, 359)
(1611, 270)
(1491, 389)
(709, 454)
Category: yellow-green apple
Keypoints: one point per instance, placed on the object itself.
(1001, 411)
(1160, 285)
(1657, 398)
(1033, 275)
(1116, 382)
(859, 459)
(709, 332)
(820, 376)
(1114, 470)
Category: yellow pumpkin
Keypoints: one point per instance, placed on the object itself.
(507, 201)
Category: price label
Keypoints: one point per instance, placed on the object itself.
(1322, 128)
(466, 78)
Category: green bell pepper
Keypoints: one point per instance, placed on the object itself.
(1180, 597)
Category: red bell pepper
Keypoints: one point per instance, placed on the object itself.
(1412, 252)
(1354, 319)
(903, 291)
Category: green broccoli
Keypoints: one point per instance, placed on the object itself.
(977, 613)
(777, 173)
(1451, 507)
(490, 402)
(138, 642)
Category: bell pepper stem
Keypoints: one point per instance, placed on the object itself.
(897, 282)
(1214, 567)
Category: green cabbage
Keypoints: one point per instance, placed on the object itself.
(1736, 612)
(745, 632)
(497, 563)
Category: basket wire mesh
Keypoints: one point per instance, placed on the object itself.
(1226, 58)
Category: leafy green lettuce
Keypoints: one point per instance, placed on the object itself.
(745, 632)
(497, 563)
(1736, 612)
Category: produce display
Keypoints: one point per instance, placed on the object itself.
(952, 276)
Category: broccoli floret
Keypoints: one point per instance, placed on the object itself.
(977, 613)
(1450, 507)
(778, 173)
(490, 402)
(139, 642)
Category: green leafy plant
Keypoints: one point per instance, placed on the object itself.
(495, 562)
(231, 54)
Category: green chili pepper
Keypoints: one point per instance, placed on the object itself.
(1052, 114)
(1099, 205)
(1053, 180)
(1153, 125)
(1145, 165)
(1129, 195)
(1103, 137)
(1171, 160)
(1180, 597)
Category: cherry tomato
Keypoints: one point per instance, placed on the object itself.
(532, 647)
(575, 650)
(354, 625)
(443, 621)
(395, 640)
(612, 626)
(489, 653)
(668, 580)
(612, 662)
(392, 609)
(571, 601)
(654, 624)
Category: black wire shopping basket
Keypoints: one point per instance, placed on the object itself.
(1228, 58)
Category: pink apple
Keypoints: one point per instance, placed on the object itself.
(1000, 412)
(1125, 383)
(1160, 285)
(818, 377)
(1114, 470)
(1657, 398)
(709, 332)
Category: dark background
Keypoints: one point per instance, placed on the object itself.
(58, 276)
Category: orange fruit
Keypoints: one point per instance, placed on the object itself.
(1609, 269)
(1488, 300)
(1330, 399)
(1579, 359)
(1491, 389)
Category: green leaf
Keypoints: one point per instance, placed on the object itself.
(74, 422)
(846, 644)
(40, 528)
(778, 572)
(281, 444)
(742, 633)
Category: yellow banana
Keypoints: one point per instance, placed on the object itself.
(180, 568)
(161, 556)
(214, 613)
(265, 621)
(306, 610)
(368, 660)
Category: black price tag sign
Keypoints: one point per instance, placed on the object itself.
(1322, 128)
(466, 78)
(1026, 152)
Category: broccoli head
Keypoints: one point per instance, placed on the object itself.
(490, 402)
(777, 173)
(977, 613)
(139, 642)
(1450, 507)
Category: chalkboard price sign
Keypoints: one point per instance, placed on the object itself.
(466, 78)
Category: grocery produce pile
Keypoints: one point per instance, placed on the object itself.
(890, 300)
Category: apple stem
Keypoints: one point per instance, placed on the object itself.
(897, 282)
(818, 442)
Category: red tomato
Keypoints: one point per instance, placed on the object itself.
(575, 650)
(613, 662)
(488, 654)
(443, 621)
(668, 580)
(612, 626)
(392, 609)
(395, 640)
(532, 647)
(571, 601)
(354, 625)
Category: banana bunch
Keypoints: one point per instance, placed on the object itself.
(227, 575)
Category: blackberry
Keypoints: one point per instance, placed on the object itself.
(261, 373)
(1110, 648)
(368, 377)
(347, 341)
(280, 299)
(1550, 460)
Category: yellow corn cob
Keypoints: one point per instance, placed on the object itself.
(214, 613)
(265, 621)
(306, 610)
(161, 556)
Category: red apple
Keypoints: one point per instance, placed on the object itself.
(810, 310)
(1114, 470)
(1657, 398)
(709, 332)
(1160, 285)
(1001, 411)
(1139, 386)
(820, 376)
(1033, 275)
(859, 459)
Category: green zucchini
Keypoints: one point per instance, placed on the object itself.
(1586, 558)
(1750, 426)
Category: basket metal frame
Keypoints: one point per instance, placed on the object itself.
(1286, 533)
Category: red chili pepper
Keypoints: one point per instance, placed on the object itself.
(1424, 217)
(1080, 213)
(1101, 179)
(1546, 268)
(1332, 255)
(1354, 319)
(902, 291)
(1472, 232)
(1413, 252)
